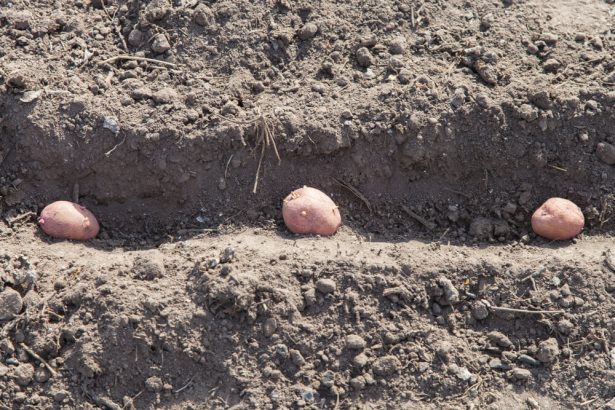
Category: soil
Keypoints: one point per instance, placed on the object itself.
(437, 127)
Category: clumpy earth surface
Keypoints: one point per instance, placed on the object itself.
(436, 126)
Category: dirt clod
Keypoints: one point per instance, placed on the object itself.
(548, 351)
(23, 374)
(10, 304)
(326, 285)
(386, 366)
(355, 342)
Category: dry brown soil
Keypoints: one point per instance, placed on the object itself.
(437, 127)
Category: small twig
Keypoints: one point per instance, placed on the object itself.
(76, 192)
(108, 153)
(185, 386)
(531, 312)
(429, 225)
(585, 403)
(558, 168)
(20, 218)
(135, 58)
(459, 193)
(40, 359)
(227, 164)
(356, 192)
(132, 399)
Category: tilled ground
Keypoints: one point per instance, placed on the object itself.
(257, 319)
(437, 127)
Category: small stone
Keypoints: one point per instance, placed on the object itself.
(549, 38)
(112, 124)
(462, 373)
(481, 228)
(355, 342)
(59, 396)
(606, 153)
(360, 360)
(364, 57)
(297, 357)
(41, 375)
(358, 383)
(308, 31)
(565, 326)
(397, 46)
(551, 65)
(328, 379)
(281, 350)
(135, 37)
(203, 16)
(386, 366)
(451, 294)
(498, 365)
(154, 384)
(270, 326)
(160, 44)
(519, 374)
(610, 405)
(548, 350)
(326, 285)
(528, 360)
(10, 304)
(23, 374)
(499, 339)
(20, 397)
(480, 311)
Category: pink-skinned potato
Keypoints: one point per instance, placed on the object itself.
(558, 219)
(67, 220)
(310, 211)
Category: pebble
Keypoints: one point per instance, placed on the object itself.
(41, 375)
(328, 379)
(10, 304)
(610, 405)
(24, 373)
(462, 373)
(565, 326)
(281, 350)
(203, 16)
(606, 153)
(548, 350)
(551, 65)
(308, 31)
(397, 46)
(355, 342)
(451, 294)
(520, 374)
(481, 228)
(297, 357)
(499, 339)
(326, 285)
(386, 366)
(360, 360)
(270, 326)
(112, 124)
(364, 57)
(135, 37)
(160, 44)
(528, 360)
(153, 384)
(358, 383)
(480, 310)
(498, 365)
(59, 396)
